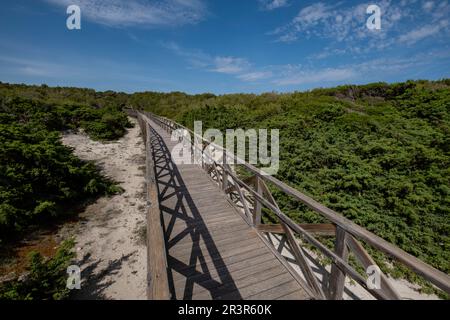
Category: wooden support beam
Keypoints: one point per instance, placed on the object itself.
(337, 277)
(224, 172)
(323, 229)
(257, 208)
(366, 260)
(303, 263)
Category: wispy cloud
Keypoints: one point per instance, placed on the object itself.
(423, 32)
(298, 76)
(343, 27)
(255, 76)
(220, 64)
(35, 68)
(74, 72)
(273, 4)
(289, 75)
(342, 24)
(347, 25)
(230, 65)
(428, 5)
(366, 71)
(150, 13)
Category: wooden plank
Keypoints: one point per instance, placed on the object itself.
(227, 288)
(226, 258)
(215, 250)
(296, 295)
(208, 243)
(262, 286)
(226, 263)
(217, 239)
(277, 292)
(239, 269)
(213, 230)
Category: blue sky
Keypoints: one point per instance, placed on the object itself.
(222, 46)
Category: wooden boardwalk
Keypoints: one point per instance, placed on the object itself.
(212, 252)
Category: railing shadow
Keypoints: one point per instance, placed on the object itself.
(178, 208)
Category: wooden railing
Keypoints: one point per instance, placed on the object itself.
(157, 279)
(253, 195)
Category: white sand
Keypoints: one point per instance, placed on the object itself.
(110, 236)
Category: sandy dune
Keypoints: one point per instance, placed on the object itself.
(110, 235)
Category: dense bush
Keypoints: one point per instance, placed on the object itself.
(40, 178)
(46, 279)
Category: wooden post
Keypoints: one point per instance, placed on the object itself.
(224, 171)
(337, 277)
(257, 207)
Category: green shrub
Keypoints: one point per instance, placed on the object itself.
(40, 178)
(45, 279)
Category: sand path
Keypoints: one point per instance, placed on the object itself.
(110, 236)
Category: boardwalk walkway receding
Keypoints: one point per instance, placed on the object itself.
(212, 252)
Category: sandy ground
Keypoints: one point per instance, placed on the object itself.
(110, 236)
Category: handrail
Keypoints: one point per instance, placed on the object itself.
(157, 278)
(349, 229)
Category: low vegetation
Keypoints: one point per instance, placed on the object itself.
(46, 278)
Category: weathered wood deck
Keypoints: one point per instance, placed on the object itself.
(212, 252)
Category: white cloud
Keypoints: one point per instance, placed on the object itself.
(139, 12)
(255, 76)
(199, 59)
(314, 14)
(428, 5)
(273, 4)
(297, 76)
(36, 68)
(332, 21)
(230, 65)
(422, 33)
(344, 27)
